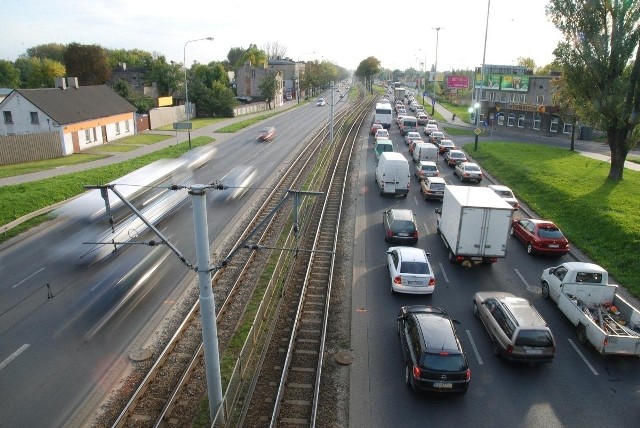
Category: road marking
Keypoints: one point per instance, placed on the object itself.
(425, 227)
(443, 272)
(27, 278)
(14, 355)
(475, 349)
(583, 357)
(529, 287)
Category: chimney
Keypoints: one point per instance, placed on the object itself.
(60, 83)
(72, 82)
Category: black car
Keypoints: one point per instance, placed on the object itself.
(400, 226)
(433, 355)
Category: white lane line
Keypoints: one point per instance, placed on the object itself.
(583, 357)
(425, 227)
(475, 349)
(14, 355)
(522, 278)
(443, 273)
(29, 277)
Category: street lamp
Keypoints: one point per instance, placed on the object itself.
(484, 53)
(186, 86)
(435, 74)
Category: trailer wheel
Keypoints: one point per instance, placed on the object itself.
(452, 257)
(582, 334)
(545, 290)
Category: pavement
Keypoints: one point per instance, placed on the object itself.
(592, 149)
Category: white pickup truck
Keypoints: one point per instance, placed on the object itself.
(602, 317)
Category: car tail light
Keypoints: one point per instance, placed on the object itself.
(389, 234)
(416, 372)
(468, 375)
(432, 281)
(509, 349)
(415, 234)
(397, 280)
(605, 342)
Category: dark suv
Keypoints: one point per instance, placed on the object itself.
(400, 226)
(433, 355)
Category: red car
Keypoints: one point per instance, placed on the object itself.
(540, 236)
(375, 127)
(267, 134)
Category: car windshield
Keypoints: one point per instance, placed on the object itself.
(443, 362)
(437, 186)
(403, 226)
(456, 154)
(474, 168)
(429, 167)
(534, 338)
(417, 268)
(505, 193)
(550, 233)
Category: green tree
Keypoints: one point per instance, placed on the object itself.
(255, 55)
(168, 77)
(527, 62)
(134, 58)
(234, 57)
(53, 51)
(39, 72)
(122, 88)
(88, 63)
(9, 75)
(600, 39)
(366, 70)
(268, 87)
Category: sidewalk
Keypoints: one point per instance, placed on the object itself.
(589, 149)
(116, 157)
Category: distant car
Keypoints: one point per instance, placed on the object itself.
(435, 137)
(321, 102)
(235, 183)
(468, 171)
(400, 226)
(426, 169)
(423, 118)
(433, 188)
(454, 157)
(445, 145)
(374, 128)
(410, 271)
(505, 193)
(540, 236)
(266, 134)
(434, 359)
(411, 135)
(517, 330)
(382, 134)
(383, 145)
(429, 128)
(399, 118)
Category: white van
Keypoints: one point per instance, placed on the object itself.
(425, 151)
(392, 174)
(408, 124)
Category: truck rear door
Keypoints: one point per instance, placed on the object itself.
(484, 232)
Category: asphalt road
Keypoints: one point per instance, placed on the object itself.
(579, 388)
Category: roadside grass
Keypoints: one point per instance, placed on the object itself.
(461, 110)
(112, 148)
(196, 123)
(599, 216)
(43, 165)
(465, 132)
(44, 193)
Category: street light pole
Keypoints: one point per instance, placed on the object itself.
(435, 74)
(484, 53)
(186, 85)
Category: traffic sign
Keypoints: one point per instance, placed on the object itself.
(478, 131)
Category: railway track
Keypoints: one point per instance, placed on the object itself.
(174, 387)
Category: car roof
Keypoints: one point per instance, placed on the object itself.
(465, 164)
(411, 253)
(402, 213)
(437, 331)
(426, 162)
(523, 312)
(455, 152)
(436, 180)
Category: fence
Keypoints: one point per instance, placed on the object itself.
(30, 147)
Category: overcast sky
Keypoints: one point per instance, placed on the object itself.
(400, 35)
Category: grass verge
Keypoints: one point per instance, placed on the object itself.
(599, 216)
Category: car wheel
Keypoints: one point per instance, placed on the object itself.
(452, 257)
(545, 290)
(529, 248)
(476, 312)
(582, 334)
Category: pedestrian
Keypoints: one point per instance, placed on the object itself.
(453, 118)
(49, 293)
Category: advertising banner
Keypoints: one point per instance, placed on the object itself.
(515, 83)
(458, 82)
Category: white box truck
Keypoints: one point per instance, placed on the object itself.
(399, 93)
(474, 224)
(392, 174)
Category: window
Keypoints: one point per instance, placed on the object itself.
(504, 97)
(540, 100)
(521, 120)
(511, 119)
(536, 122)
(95, 136)
(554, 125)
(566, 128)
(513, 98)
(87, 135)
(117, 128)
(126, 126)
(500, 119)
(523, 98)
(34, 117)
(7, 117)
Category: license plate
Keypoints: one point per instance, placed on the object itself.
(442, 385)
(476, 258)
(414, 282)
(534, 351)
(403, 234)
(554, 245)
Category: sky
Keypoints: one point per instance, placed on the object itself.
(344, 32)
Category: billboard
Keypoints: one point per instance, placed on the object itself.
(504, 82)
(458, 82)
